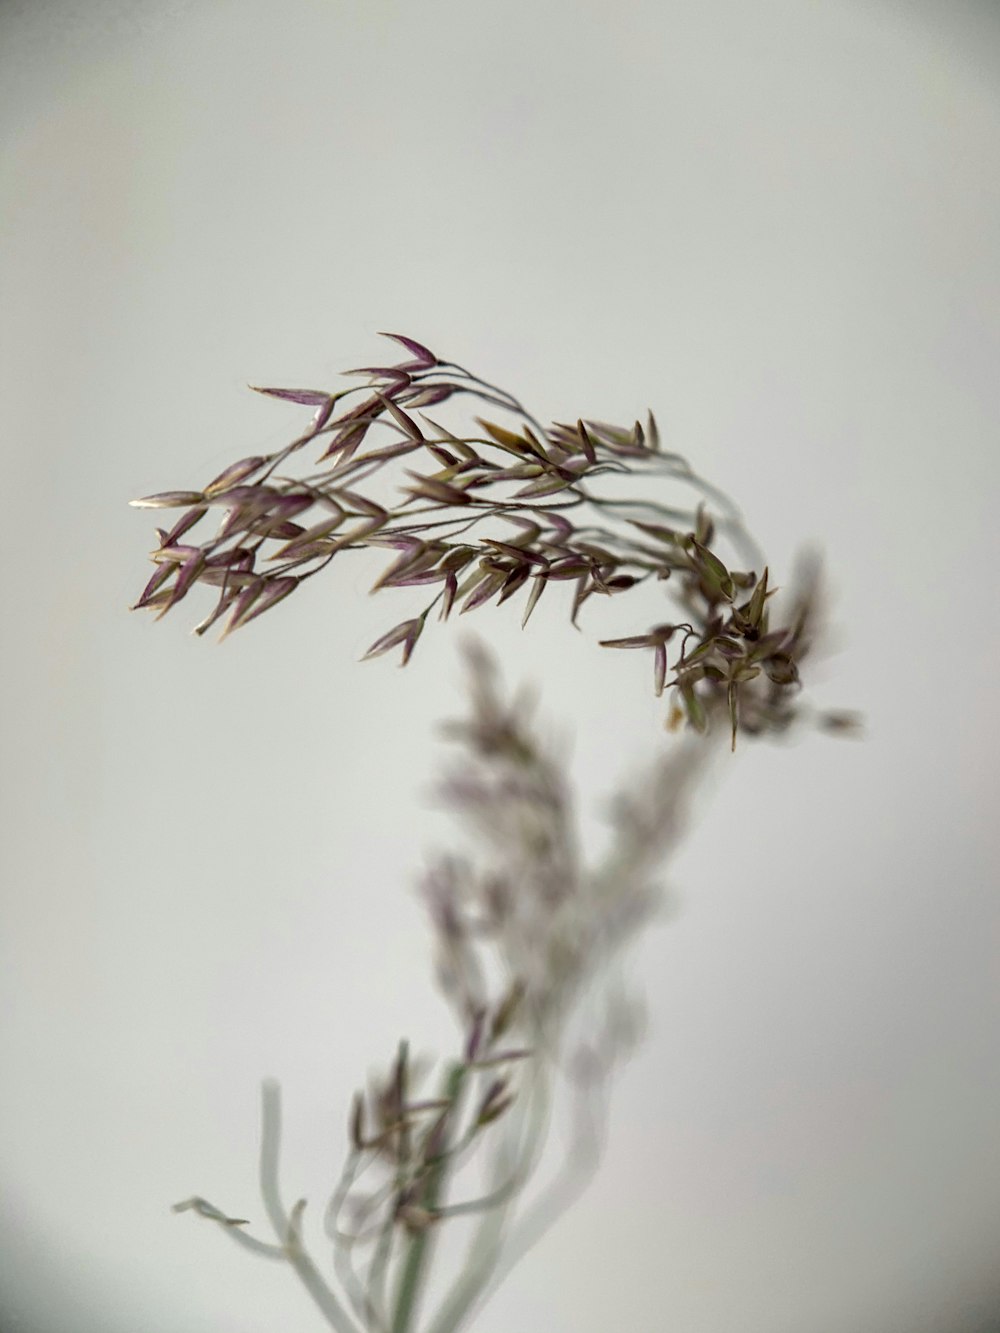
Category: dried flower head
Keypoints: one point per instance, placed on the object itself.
(505, 510)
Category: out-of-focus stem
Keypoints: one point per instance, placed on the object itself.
(287, 1227)
(418, 1248)
(519, 1161)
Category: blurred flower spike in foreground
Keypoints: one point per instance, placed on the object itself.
(507, 509)
(529, 940)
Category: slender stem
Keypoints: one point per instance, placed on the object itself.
(518, 1159)
(287, 1227)
(379, 1266)
(415, 1263)
(580, 1162)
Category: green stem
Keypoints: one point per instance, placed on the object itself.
(415, 1263)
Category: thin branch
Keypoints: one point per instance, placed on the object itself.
(286, 1227)
(232, 1227)
(417, 1254)
(519, 1159)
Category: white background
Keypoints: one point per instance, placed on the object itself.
(775, 223)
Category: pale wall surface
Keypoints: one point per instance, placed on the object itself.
(775, 223)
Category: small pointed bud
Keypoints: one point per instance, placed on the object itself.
(418, 351)
(168, 500)
(163, 572)
(652, 430)
(308, 397)
(323, 414)
(430, 396)
(183, 524)
(755, 610)
(257, 598)
(659, 668)
(537, 588)
(586, 442)
(448, 600)
(234, 474)
(405, 633)
(633, 641)
(402, 420)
